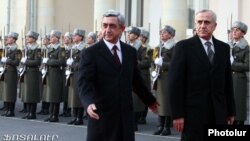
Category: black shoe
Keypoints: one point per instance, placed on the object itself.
(47, 119)
(10, 114)
(166, 132)
(5, 113)
(31, 116)
(158, 132)
(23, 111)
(72, 121)
(54, 119)
(25, 117)
(78, 122)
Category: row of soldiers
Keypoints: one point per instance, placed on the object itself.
(48, 68)
(41, 72)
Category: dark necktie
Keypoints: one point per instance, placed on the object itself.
(210, 52)
(117, 60)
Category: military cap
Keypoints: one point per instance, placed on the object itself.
(145, 33)
(68, 35)
(13, 35)
(92, 35)
(55, 33)
(32, 34)
(169, 29)
(79, 32)
(240, 25)
(134, 30)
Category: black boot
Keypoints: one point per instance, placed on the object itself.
(166, 131)
(56, 107)
(79, 120)
(161, 126)
(50, 113)
(75, 113)
(32, 114)
(11, 112)
(25, 108)
(28, 110)
(66, 111)
(42, 108)
(7, 108)
(143, 115)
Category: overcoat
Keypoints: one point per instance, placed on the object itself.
(109, 86)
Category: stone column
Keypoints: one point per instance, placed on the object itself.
(175, 14)
(100, 7)
(45, 15)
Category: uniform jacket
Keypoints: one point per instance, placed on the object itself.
(109, 86)
(32, 76)
(54, 78)
(240, 67)
(10, 75)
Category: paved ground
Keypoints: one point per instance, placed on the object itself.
(37, 130)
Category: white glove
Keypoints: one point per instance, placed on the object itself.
(70, 61)
(158, 61)
(23, 60)
(45, 60)
(232, 59)
(4, 59)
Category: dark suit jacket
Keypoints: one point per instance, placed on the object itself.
(109, 86)
(198, 89)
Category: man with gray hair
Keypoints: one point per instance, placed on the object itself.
(200, 81)
(107, 75)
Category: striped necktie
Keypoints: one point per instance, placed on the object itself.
(210, 52)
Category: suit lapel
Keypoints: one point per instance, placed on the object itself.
(107, 55)
(200, 51)
(216, 54)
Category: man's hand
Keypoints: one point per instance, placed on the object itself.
(230, 120)
(154, 107)
(91, 111)
(179, 124)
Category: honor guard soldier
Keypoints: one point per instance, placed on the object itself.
(91, 39)
(31, 61)
(45, 105)
(144, 38)
(10, 61)
(3, 45)
(55, 62)
(143, 64)
(67, 42)
(240, 68)
(164, 51)
(74, 100)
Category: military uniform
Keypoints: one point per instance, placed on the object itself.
(240, 66)
(73, 98)
(32, 76)
(54, 78)
(10, 76)
(66, 111)
(162, 95)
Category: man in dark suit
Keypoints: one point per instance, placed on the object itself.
(107, 75)
(200, 81)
